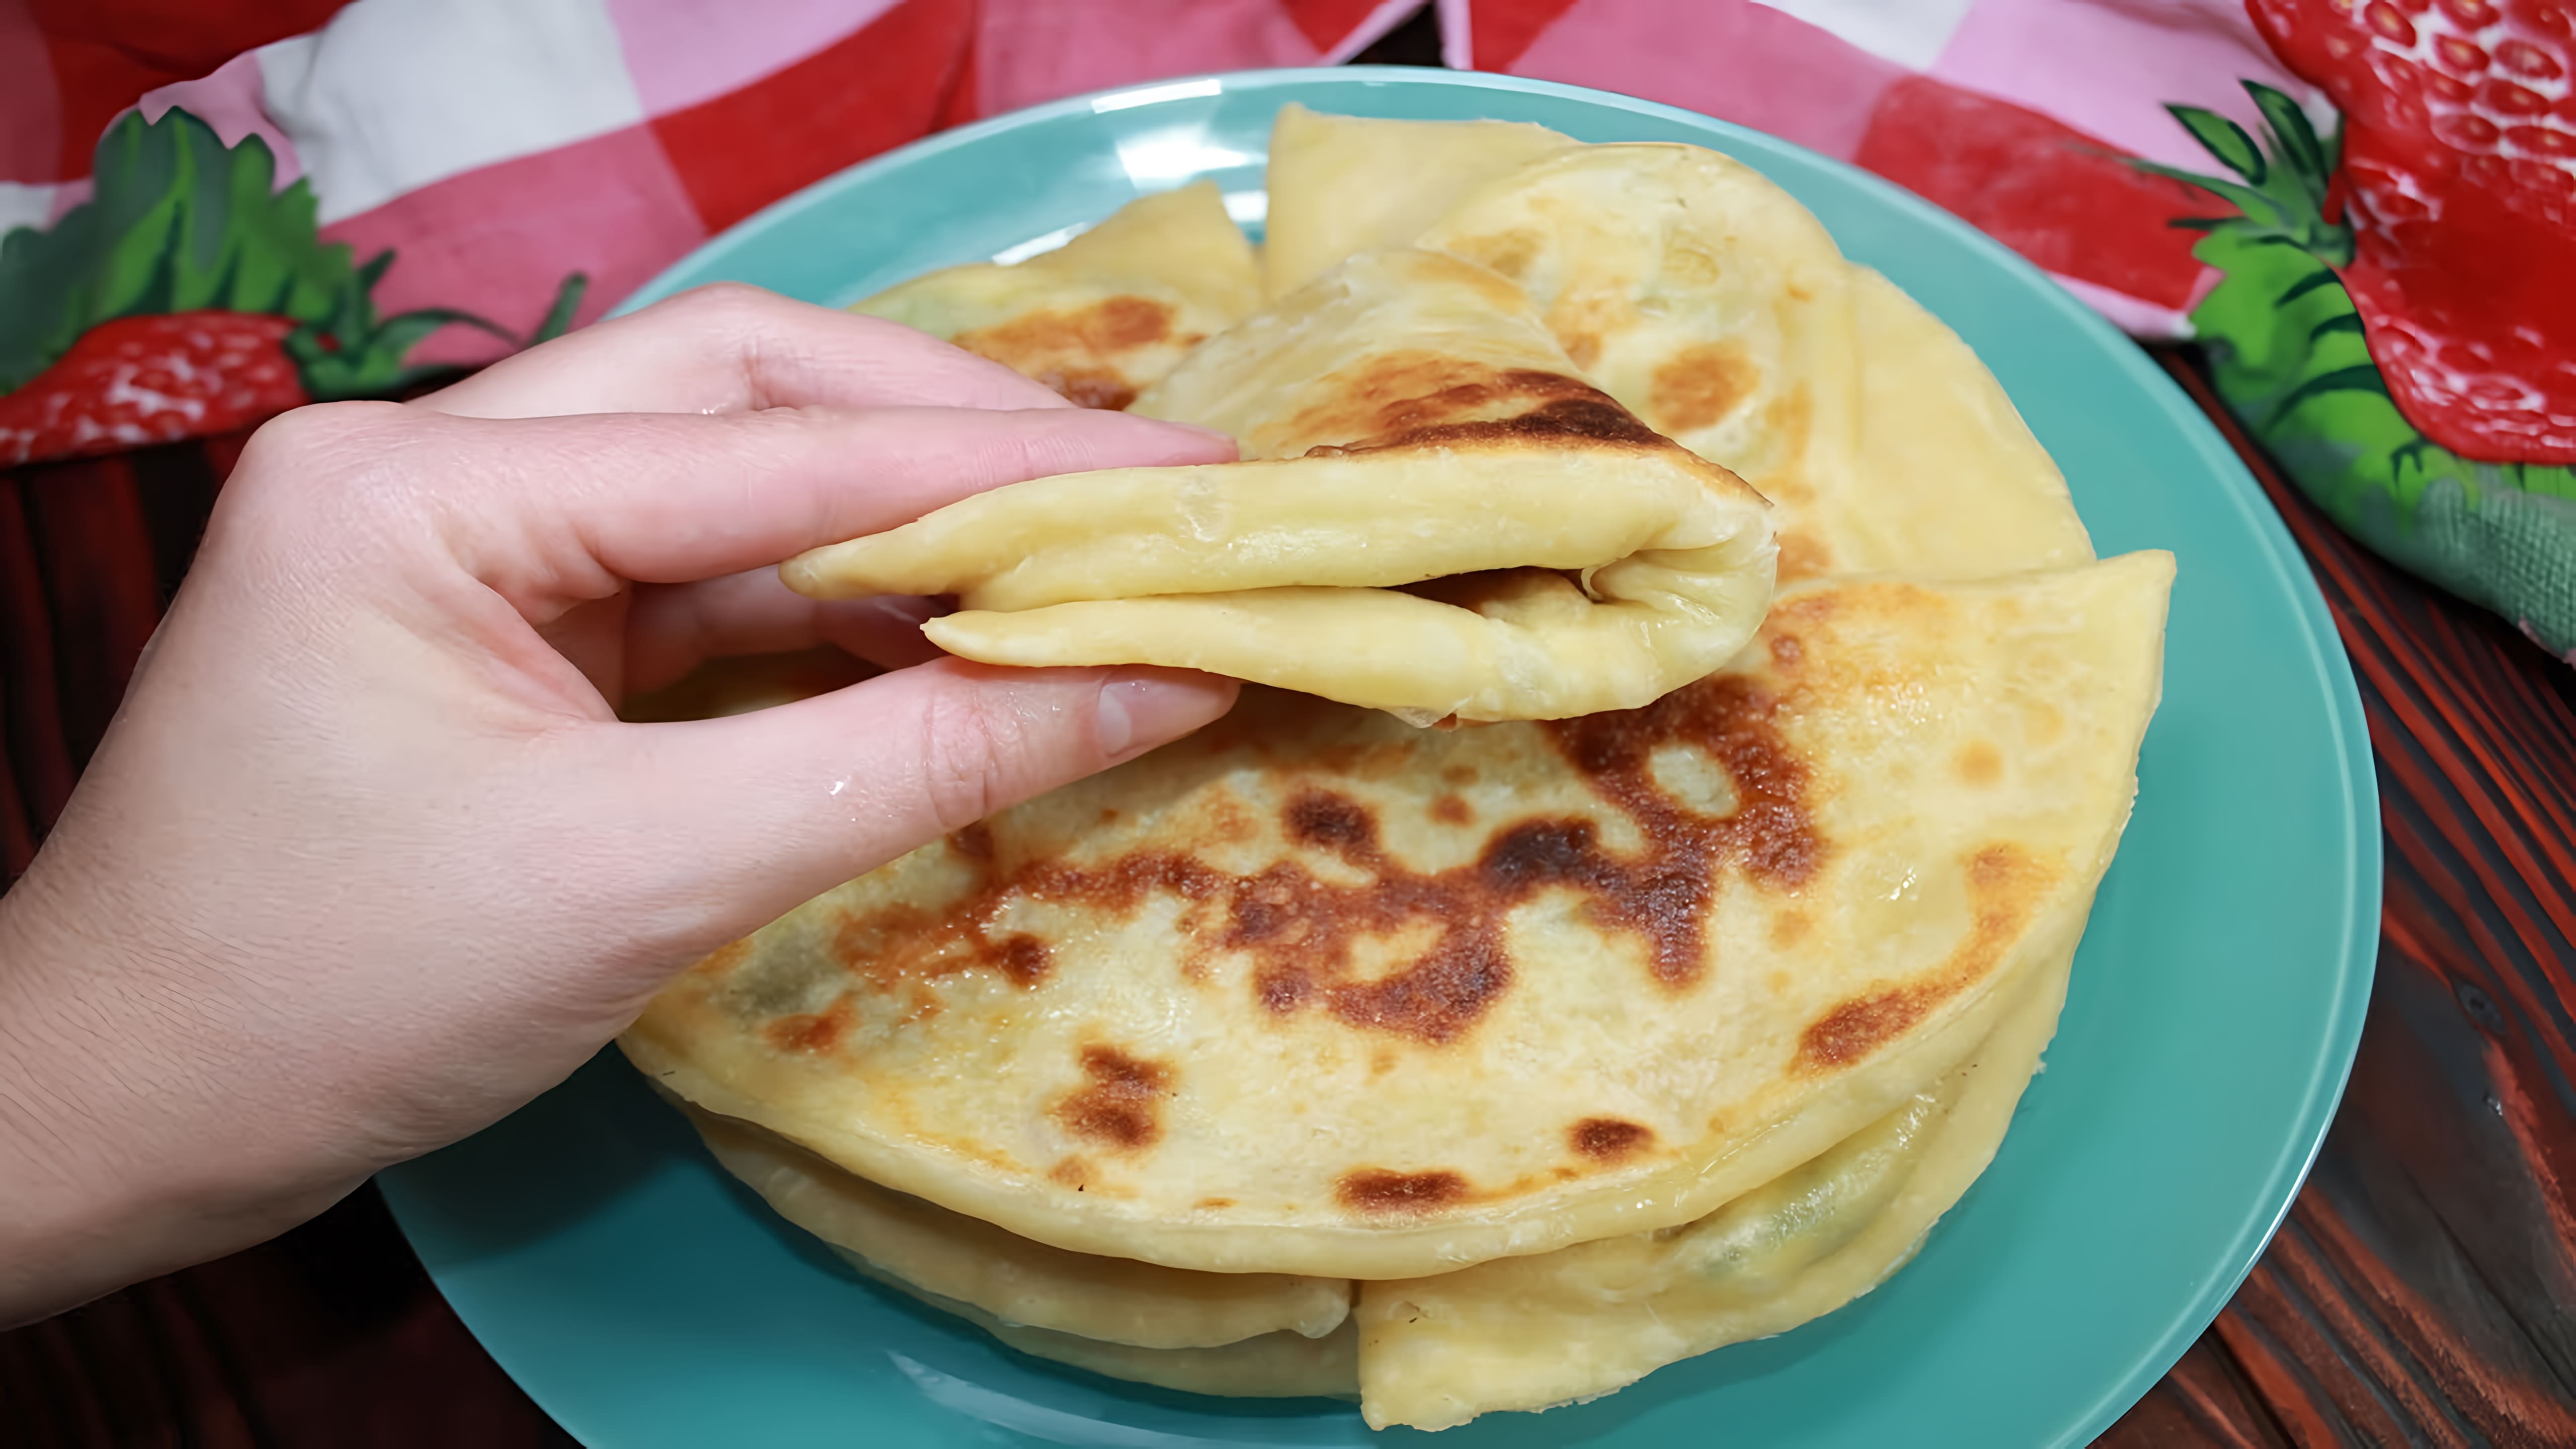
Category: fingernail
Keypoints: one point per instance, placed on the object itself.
(1140, 711)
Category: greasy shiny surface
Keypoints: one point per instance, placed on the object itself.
(1694, 290)
(1103, 317)
(1379, 405)
(1526, 1333)
(2115, 1218)
(1315, 992)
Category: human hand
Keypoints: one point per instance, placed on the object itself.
(366, 859)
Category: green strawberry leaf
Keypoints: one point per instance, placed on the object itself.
(558, 318)
(2223, 139)
(2293, 139)
(2258, 208)
(176, 221)
(2309, 283)
(2288, 355)
(2360, 377)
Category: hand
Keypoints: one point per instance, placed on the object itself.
(366, 860)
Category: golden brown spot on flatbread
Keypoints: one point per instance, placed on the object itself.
(1108, 815)
(1376, 1190)
(1607, 1139)
(722, 960)
(816, 1031)
(1813, 608)
(1419, 399)
(1458, 776)
(1076, 351)
(2005, 885)
(1022, 957)
(1230, 821)
(1790, 927)
(1120, 1107)
(1423, 954)
(1701, 384)
(1580, 321)
(1786, 652)
(1072, 1172)
(1112, 324)
(904, 943)
(1790, 415)
(1509, 252)
(1214, 1203)
(1450, 810)
(1980, 763)
(1381, 1063)
(1089, 387)
(1803, 556)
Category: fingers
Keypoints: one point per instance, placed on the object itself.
(673, 628)
(733, 348)
(756, 813)
(552, 512)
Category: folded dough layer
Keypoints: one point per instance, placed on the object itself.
(1104, 316)
(1406, 419)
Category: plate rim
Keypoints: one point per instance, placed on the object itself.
(2363, 848)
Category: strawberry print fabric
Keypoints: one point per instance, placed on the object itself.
(496, 146)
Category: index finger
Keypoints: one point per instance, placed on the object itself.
(733, 348)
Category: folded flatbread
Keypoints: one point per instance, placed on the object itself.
(954, 1257)
(1227, 862)
(1406, 422)
(1103, 317)
(1311, 993)
(1342, 185)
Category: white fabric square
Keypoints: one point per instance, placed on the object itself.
(1908, 32)
(25, 204)
(395, 94)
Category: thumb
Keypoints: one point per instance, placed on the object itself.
(737, 821)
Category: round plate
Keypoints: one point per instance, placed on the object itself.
(644, 1300)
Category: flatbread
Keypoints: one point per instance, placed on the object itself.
(1378, 408)
(1273, 1366)
(1342, 185)
(1104, 316)
(1950, 480)
(1572, 1325)
(1311, 993)
(1700, 295)
(950, 1256)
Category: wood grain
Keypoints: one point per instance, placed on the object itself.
(2423, 1290)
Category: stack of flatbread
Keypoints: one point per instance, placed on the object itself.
(1663, 997)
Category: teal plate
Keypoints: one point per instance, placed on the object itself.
(643, 1300)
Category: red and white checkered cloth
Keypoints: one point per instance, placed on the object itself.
(2015, 114)
(496, 145)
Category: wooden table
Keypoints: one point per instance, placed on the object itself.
(2423, 1291)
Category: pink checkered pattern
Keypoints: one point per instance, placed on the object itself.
(2016, 114)
(496, 145)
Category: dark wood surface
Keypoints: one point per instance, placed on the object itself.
(2422, 1292)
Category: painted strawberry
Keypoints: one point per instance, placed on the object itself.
(2459, 181)
(188, 297)
(2339, 393)
(133, 381)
